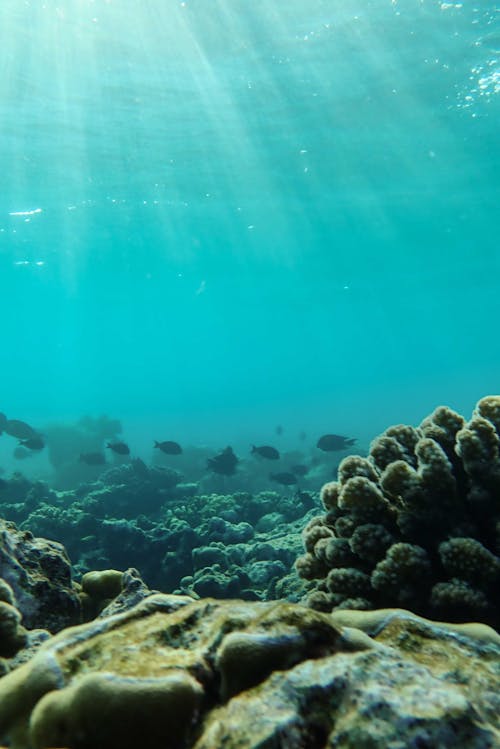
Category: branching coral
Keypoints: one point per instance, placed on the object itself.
(416, 523)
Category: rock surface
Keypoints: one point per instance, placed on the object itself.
(39, 573)
(176, 673)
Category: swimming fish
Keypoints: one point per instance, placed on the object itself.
(33, 443)
(93, 459)
(168, 447)
(266, 451)
(286, 478)
(331, 442)
(279, 430)
(3, 421)
(18, 429)
(224, 462)
(120, 448)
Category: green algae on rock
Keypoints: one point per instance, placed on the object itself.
(12, 634)
(112, 711)
(182, 674)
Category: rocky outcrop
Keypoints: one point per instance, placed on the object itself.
(206, 674)
(39, 573)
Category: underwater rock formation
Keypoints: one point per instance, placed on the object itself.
(38, 573)
(415, 524)
(222, 545)
(174, 673)
(13, 636)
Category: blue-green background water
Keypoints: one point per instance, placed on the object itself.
(220, 216)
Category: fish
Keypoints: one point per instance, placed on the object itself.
(266, 451)
(332, 442)
(302, 436)
(120, 448)
(18, 429)
(224, 462)
(300, 469)
(279, 430)
(3, 421)
(286, 478)
(33, 443)
(168, 447)
(93, 459)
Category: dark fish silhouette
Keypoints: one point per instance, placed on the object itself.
(93, 459)
(224, 462)
(302, 436)
(331, 442)
(300, 469)
(286, 478)
(266, 451)
(33, 443)
(3, 421)
(168, 447)
(19, 429)
(120, 448)
(279, 430)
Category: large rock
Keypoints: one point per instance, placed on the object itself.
(39, 574)
(173, 672)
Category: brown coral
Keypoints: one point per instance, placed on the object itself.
(419, 517)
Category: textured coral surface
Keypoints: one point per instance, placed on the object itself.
(38, 573)
(236, 545)
(175, 673)
(415, 524)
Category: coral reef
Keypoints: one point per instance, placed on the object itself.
(174, 673)
(223, 545)
(416, 523)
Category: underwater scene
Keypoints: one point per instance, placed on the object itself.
(250, 374)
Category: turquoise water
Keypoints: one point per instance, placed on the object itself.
(218, 217)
